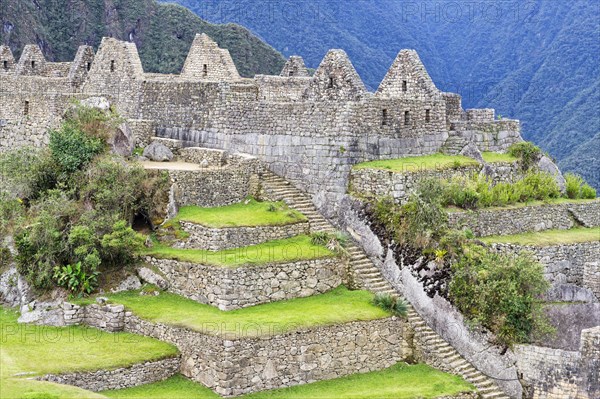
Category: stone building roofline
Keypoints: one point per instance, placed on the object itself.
(295, 67)
(407, 77)
(207, 61)
(32, 61)
(7, 60)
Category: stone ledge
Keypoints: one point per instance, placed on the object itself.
(126, 377)
(234, 288)
(216, 239)
(524, 219)
(284, 360)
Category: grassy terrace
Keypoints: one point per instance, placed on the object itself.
(432, 162)
(38, 350)
(250, 213)
(549, 237)
(278, 251)
(335, 307)
(553, 201)
(397, 382)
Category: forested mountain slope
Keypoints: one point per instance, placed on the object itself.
(162, 32)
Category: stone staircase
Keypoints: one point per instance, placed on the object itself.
(454, 144)
(365, 271)
(451, 360)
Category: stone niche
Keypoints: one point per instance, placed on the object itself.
(234, 288)
(237, 366)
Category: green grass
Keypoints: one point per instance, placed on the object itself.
(250, 213)
(498, 157)
(549, 237)
(335, 307)
(421, 163)
(400, 381)
(278, 251)
(39, 350)
(552, 201)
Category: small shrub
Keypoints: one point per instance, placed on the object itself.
(319, 238)
(73, 148)
(528, 153)
(121, 245)
(398, 307)
(588, 192)
(272, 208)
(76, 278)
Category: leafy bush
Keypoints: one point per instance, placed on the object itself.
(73, 148)
(76, 279)
(396, 306)
(27, 173)
(528, 153)
(500, 292)
(334, 242)
(120, 246)
(577, 188)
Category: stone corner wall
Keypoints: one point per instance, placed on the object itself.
(126, 377)
(234, 288)
(107, 317)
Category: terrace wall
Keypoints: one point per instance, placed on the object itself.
(233, 288)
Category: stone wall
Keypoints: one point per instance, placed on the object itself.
(126, 377)
(107, 317)
(281, 360)
(214, 187)
(216, 239)
(558, 374)
(562, 263)
(591, 277)
(373, 183)
(512, 220)
(233, 288)
(586, 213)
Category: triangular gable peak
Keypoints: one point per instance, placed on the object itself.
(7, 61)
(206, 61)
(32, 61)
(407, 77)
(295, 67)
(116, 58)
(336, 79)
(82, 64)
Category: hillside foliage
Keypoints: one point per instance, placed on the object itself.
(163, 33)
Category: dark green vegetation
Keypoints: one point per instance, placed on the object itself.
(40, 350)
(400, 381)
(162, 32)
(335, 307)
(70, 207)
(500, 292)
(278, 251)
(534, 60)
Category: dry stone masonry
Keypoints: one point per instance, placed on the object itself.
(233, 288)
(309, 129)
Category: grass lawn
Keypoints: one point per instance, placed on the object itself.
(278, 251)
(249, 213)
(549, 237)
(397, 382)
(337, 306)
(420, 163)
(553, 201)
(38, 350)
(497, 157)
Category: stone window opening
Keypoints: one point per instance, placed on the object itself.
(112, 65)
(291, 73)
(427, 115)
(32, 64)
(331, 82)
(384, 117)
(404, 86)
(205, 70)
(26, 108)
(89, 66)
(407, 118)
(5, 65)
